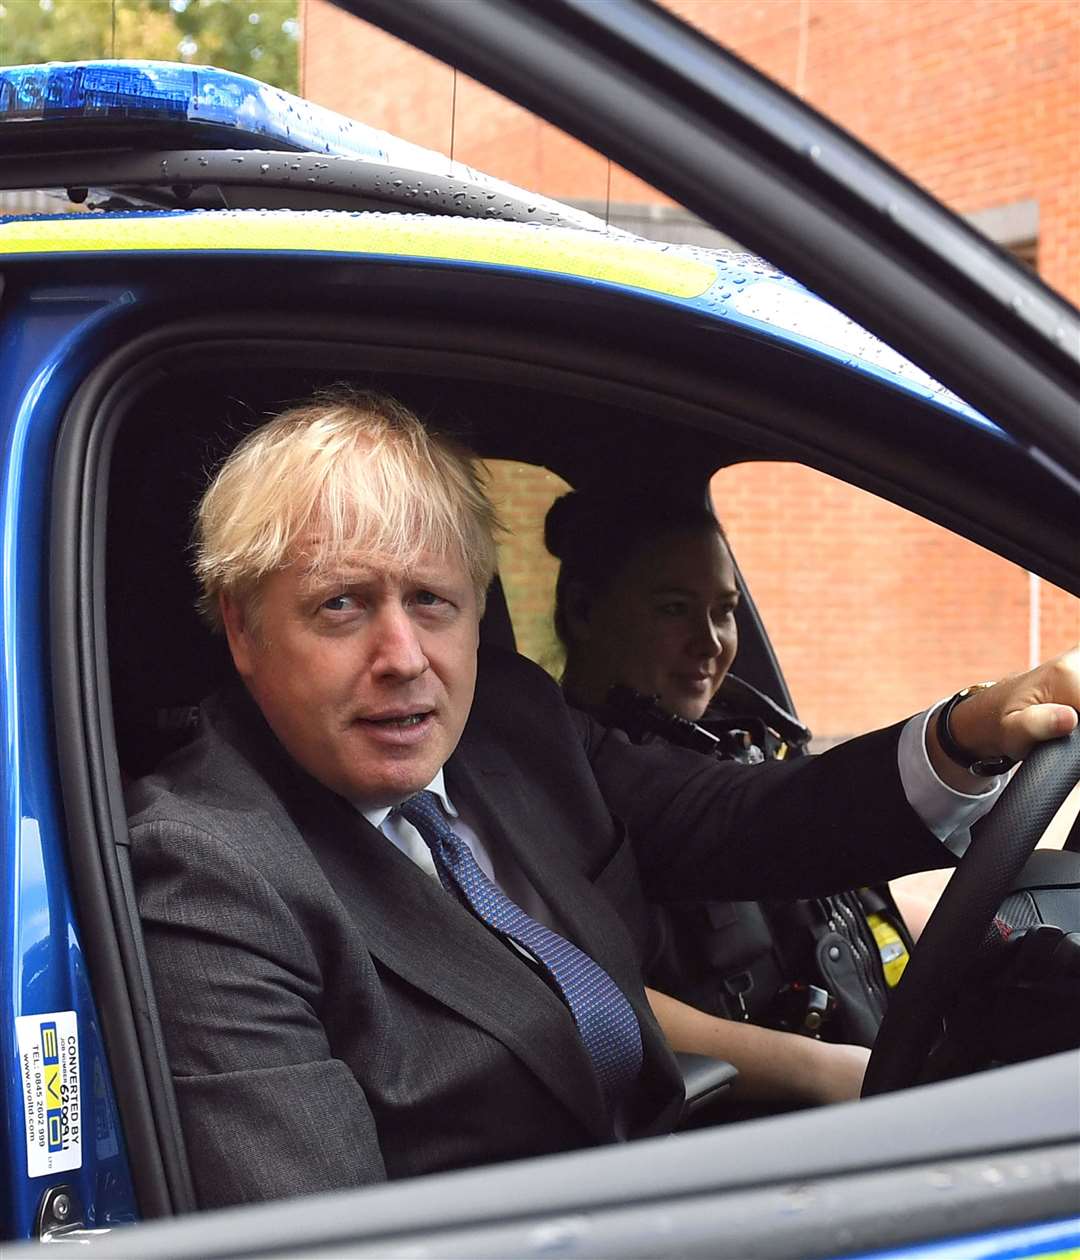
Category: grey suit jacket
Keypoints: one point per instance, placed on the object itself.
(333, 1017)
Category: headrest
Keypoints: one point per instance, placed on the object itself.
(496, 627)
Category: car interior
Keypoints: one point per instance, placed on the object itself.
(563, 386)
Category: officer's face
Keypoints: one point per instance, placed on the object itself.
(366, 677)
(665, 624)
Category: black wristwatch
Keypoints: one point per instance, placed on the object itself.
(985, 767)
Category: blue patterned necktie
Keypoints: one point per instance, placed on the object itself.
(604, 1018)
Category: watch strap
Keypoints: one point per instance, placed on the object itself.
(984, 767)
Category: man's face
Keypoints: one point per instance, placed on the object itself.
(366, 677)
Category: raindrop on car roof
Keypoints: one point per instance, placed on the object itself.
(797, 1198)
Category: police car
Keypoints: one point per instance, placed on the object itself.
(230, 248)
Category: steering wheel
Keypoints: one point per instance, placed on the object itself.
(1001, 843)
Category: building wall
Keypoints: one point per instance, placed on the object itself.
(977, 100)
(873, 611)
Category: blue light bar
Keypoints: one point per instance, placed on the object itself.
(122, 91)
(220, 109)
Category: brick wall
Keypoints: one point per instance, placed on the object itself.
(873, 611)
(523, 495)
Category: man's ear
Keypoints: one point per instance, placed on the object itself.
(577, 611)
(242, 645)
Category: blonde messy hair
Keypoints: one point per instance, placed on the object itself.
(350, 473)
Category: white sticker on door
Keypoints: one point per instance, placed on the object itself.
(52, 1098)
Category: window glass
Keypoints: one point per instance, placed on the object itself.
(874, 612)
(522, 494)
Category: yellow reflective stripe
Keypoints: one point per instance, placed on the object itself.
(587, 255)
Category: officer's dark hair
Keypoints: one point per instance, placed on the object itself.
(595, 533)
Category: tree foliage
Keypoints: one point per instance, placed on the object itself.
(256, 37)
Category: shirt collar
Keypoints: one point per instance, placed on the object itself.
(437, 785)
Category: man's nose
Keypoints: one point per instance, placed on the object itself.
(396, 647)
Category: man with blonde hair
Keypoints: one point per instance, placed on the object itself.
(393, 901)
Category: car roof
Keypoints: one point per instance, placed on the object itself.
(724, 286)
(44, 106)
(703, 357)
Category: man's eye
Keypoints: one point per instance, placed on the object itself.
(339, 603)
(429, 599)
(674, 609)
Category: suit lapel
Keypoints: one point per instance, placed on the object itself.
(427, 938)
(513, 812)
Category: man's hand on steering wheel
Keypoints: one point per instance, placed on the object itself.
(1016, 718)
(1007, 720)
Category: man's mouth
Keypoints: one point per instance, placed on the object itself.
(400, 720)
(400, 730)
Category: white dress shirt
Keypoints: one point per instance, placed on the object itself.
(944, 811)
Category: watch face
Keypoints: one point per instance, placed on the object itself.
(988, 767)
